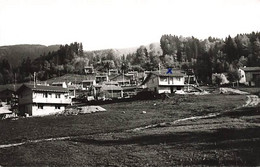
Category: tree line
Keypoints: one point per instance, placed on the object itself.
(204, 57)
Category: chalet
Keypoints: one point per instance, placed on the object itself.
(163, 82)
(39, 100)
(250, 76)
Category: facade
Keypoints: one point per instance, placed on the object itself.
(89, 70)
(113, 72)
(161, 82)
(250, 76)
(39, 100)
(109, 91)
(101, 78)
(86, 84)
(123, 80)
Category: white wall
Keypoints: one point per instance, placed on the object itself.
(39, 98)
(164, 90)
(243, 76)
(47, 110)
(171, 80)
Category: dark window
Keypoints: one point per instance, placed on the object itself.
(57, 95)
(40, 106)
(57, 107)
(45, 95)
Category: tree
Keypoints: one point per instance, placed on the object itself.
(230, 49)
(233, 76)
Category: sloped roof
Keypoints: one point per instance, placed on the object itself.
(43, 88)
(111, 87)
(119, 76)
(88, 80)
(248, 69)
(53, 83)
(175, 73)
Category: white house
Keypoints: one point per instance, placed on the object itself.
(39, 100)
(163, 82)
(250, 76)
(86, 84)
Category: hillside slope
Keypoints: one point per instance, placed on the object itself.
(16, 53)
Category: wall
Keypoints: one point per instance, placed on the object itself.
(25, 97)
(47, 110)
(171, 80)
(38, 97)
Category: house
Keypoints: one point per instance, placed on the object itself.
(163, 82)
(108, 91)
(60, 84)
(250, 76)
(113, 72)
(122, 79)
(39, 100)
(222, 78)
(86, 84)
(89, 70)
(101, 78)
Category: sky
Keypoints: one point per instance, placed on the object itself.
(103, 24)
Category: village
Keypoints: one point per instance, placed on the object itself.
(54, 96)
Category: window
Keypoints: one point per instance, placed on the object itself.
(57, 95)
(50, 95)
(45, 95)
(57, 107)
(178, 78)
(40, 106)
(163, 79)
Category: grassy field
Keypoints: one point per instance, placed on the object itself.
(108, 138)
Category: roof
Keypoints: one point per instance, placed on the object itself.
(111, 87)
(7, 89)
(110, 83)
(43, 88)
(88, 80)
(121, 76)
(175, 73)
(250, 69)
(57, 83)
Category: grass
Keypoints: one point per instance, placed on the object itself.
(101, 139)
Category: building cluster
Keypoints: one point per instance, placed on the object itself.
(45, 99)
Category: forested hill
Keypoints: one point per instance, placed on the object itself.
(204, 57)
(16, 53)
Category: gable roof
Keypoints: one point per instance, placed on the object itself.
(175, 73)
(250, 69)
(43, 88)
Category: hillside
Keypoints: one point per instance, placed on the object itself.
(16, 53)
(118, 52)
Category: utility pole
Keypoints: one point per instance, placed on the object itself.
(34, 79)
